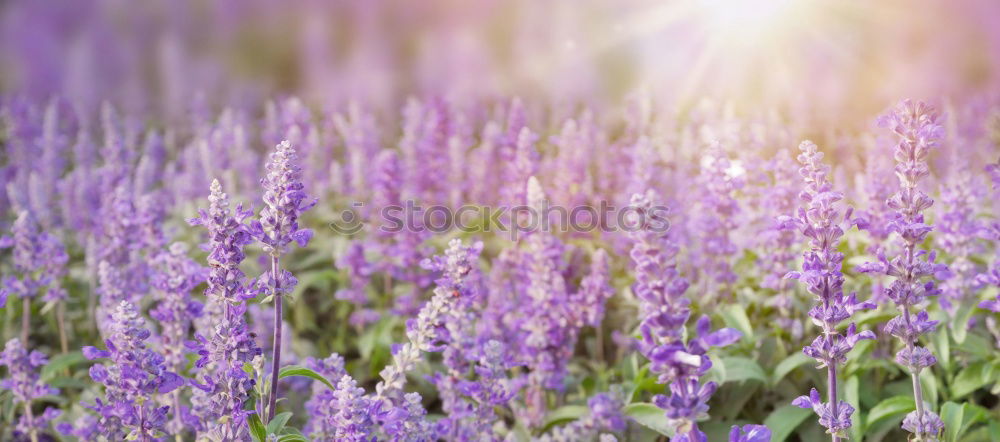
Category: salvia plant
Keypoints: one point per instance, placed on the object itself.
(914, 270)
(822, 222)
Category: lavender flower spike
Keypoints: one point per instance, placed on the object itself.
(134, 375)
(278, 226)
(403, 415)
(23, 383)
(820, 221)
(229, 345)
(425, 331)
(916, 125)
(750, 433)
(39, 259)
(991, 276)
(665, 311)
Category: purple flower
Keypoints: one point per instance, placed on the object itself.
(225, 385)
(835, 420)
(359, 270)
(665, 311)
(923, 423)
(717, 216)
(521, 159)
(594, 291)
(687, 401)
(135, 375)
(750, 433)
(401, 413)
(959, 236)
(658, 284)
(426, 332)
(918, 131)
(322, 406)
(458, 269)
(38, 257)
(284, 201)
(605, 416)
(491, 388)
(228, 345)
(991, 276)
(23, 382)
(407, 420)
(175, 277)
(822, 223)
(401, 250)
(352, 418)
(543, 323)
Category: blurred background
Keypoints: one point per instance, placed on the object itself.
(817, 58)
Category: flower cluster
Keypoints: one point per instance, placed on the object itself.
(718, 217)
(40, 261)
(992, 275)
(23, 382)
(276, 227)
(323, 404)
(284, 201)
(821, 221)
(136, 373)
(175, 277)
(605, 415)
(665, 311)
(959, 231)
(916, 125)
(227, 346)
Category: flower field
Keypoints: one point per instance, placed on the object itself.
(692, 220)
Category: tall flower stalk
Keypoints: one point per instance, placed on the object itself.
(276, 228)
(665, 311)
(39, 260)
(916, 125)
(228, 346)
(991, 275)
(821, 221)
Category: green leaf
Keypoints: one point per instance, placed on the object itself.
(971, 378)
(292, 438)
(784, 420)
(651, 417)
(852, 394)
(889, 408)
(298, 370)
(930, 385)
(977, 346)
(59, 363)
(960, 322)
(943, 348)
(62, 382)
(734, 316)
(971, 414)
(952, 414)
(994, 430)
(717, 373)
(257, 428)
(278, 422)
(786, 366)
(564, 414)
(743, 369)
